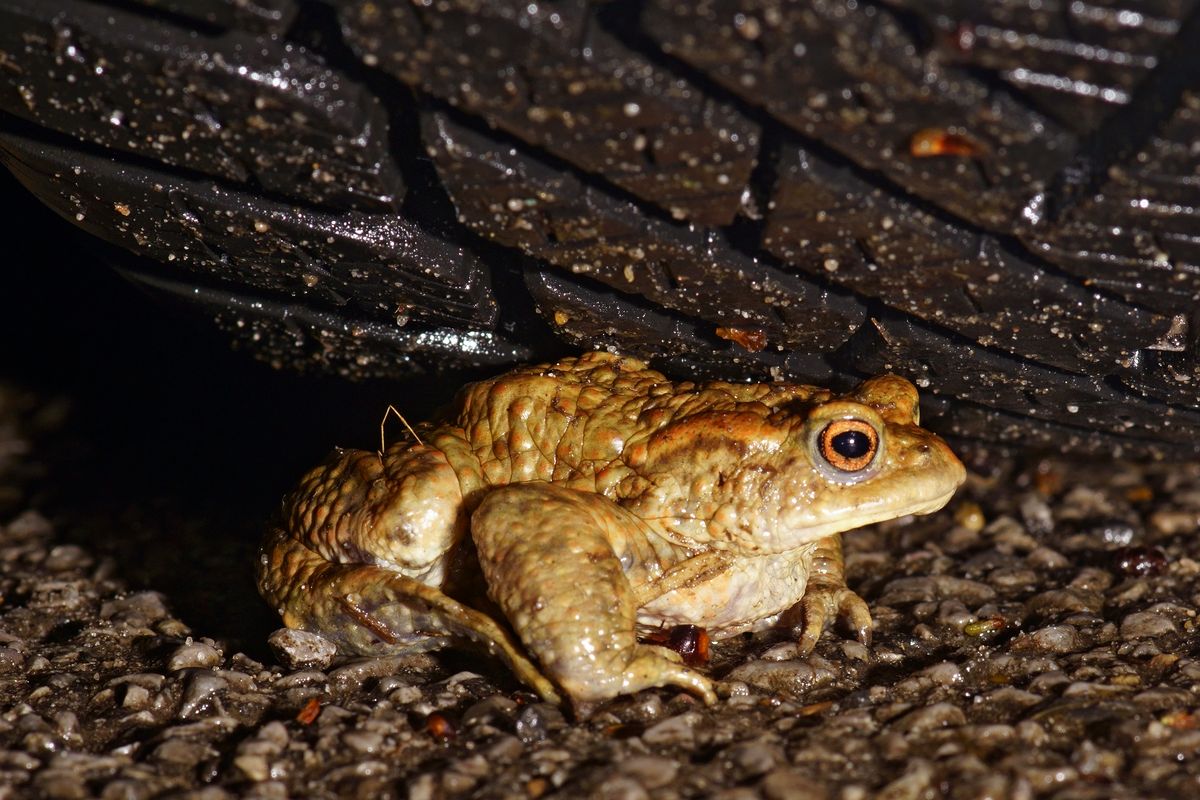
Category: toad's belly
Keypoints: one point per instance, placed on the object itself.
(750, 595)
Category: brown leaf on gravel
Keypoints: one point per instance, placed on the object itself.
(308, 714)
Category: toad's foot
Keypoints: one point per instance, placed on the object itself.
(550, 557)
(371, 610)
(827, 597)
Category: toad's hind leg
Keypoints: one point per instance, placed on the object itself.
(552, 558)
(373, 610)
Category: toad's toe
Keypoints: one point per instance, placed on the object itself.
(650, 667)
(823, 604)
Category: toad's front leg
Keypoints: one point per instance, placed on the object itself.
(552, 558)
(827, 597)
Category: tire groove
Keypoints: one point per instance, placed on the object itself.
(771, 126)
(599, 235)
(1129, 127)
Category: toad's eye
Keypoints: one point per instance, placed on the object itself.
(848, 444)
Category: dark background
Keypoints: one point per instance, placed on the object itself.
(174, 449)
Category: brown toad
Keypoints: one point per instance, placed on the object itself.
(592, 497)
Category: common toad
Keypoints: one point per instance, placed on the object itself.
(592, 498)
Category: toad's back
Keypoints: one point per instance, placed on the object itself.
(582, 421)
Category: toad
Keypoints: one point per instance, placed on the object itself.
(556, 511)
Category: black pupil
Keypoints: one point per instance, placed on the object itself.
(851, 444)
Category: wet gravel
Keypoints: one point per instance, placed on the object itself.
(1036, 639)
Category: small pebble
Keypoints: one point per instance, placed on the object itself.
(61, 784)
(538, 721)
(679, 730)
(299, 650)
(1146, 625)
(938, 715)
(184, 752)
(1098, 765)
(1013, 578)
(128, 789)
(194, 655)
(914, 784)
(790, 678)
(270, 740)
(792, 784)
(652, 772)
(201, 693)
(784, 651)
(152, 681)
(66, 557)
(856, 651)
(305, 677)
(365, 742)
(1045, 558)
(67, 725)
(621, 787)
(648, 707)
(1044, 779)
(136, 697)
(1036, 514)
(752, 759)
(1006, 699)
(423, 787)
(1111, 531)
(27, 526)
(969, 515)
(1055, 639)
(505, 749)
(490, 710)
(254, 767)
(11, 660)
(1092, 579)
(140, 610)
(1171, 522)
(945, 673)
(1056, 602)
(936, 587)
(356, 673)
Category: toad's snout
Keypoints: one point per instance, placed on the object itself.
(933, 470)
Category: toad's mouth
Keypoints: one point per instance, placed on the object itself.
(918, 509)
(936, 504)
(860, 517)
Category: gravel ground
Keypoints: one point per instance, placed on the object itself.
(1036, 639)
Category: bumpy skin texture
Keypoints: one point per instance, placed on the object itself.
(591, 498)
